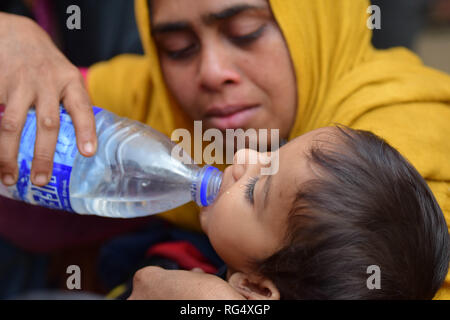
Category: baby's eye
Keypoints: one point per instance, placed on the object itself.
(250, 188)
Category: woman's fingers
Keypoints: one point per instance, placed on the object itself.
(11, 125)
(78, 105)
(47, 129)
(35, 73)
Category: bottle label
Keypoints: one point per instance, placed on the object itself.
(56, 193)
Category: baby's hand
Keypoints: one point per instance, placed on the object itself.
(154, 283)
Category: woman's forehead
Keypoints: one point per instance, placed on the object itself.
(170, 9)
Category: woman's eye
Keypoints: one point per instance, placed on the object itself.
(248, 38)
(250, 189)
(182, 53)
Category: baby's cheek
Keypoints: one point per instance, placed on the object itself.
(224, 212)
(203, 219)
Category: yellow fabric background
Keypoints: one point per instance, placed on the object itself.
(341, 78)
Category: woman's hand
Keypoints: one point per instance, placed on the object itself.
(154, 283)
(33, 72)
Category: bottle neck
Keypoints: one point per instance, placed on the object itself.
(206, 185)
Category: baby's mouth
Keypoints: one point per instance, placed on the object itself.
(224, 186)
(221, 191)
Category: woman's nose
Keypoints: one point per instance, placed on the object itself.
(216, 69)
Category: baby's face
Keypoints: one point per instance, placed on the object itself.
(248, 220)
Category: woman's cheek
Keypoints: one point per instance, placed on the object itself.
(177, 83)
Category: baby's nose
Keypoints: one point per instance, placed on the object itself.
(245, 162)
(246, 157)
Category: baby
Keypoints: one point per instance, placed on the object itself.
(345, 217)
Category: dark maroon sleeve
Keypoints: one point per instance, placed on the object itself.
(43, 230)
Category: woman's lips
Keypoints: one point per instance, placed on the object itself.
(231, 117)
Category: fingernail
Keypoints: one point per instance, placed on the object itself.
(8, 179)
(89, 147)
(40, 179)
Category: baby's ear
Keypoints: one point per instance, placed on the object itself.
(254, 287)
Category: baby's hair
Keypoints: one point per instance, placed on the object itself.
(367, 207)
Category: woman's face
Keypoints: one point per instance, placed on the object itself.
(226, 63)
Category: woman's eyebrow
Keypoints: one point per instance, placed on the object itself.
(230, 12)
(208, 19)
(167, 27)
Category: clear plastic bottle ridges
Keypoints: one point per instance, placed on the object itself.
(133, 173)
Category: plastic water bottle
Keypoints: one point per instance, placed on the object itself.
(132, 174)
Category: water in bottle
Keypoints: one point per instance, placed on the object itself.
(133, 173)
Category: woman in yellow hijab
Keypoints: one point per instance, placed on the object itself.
(233, 65)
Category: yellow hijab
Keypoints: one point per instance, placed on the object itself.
(341, 78)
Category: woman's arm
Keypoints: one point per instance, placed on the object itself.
(154, 283)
